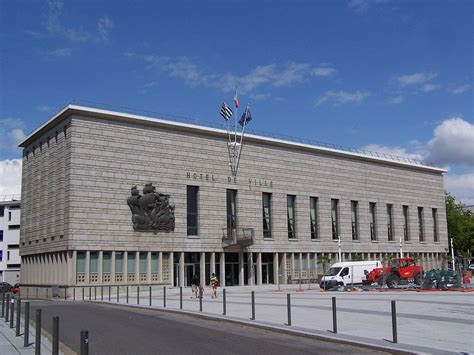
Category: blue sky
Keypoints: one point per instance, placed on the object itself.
(393, 76)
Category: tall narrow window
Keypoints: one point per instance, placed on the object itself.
(334, 218)
(355, 227)
(143, 263)
(434, 212)
(81, 261)
(421, 231)
(106, 259)
(131, 262)
(390, 222)
(94, 262)
(118, 262)
(290, 202)
(313, 210)
(267, 214)
(2, 211)
(406, 224)
(192, 209)
(231, 212)
(9, 216)
(154, 262)
(373, 220)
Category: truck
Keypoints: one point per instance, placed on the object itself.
(399, 271)
(347, 273)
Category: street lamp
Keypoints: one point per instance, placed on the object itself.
(452, 253)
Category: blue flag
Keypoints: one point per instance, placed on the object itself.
(246, 117)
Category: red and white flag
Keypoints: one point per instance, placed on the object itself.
(236, 101)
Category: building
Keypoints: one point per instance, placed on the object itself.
(90, 216)
(10, 239)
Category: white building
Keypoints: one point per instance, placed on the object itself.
(10, 239)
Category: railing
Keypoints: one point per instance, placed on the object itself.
(242, 237)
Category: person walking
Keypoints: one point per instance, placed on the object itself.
(194, 286)
(214, 284)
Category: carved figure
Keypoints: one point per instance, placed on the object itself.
(151, 211)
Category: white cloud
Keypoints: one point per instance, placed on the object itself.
(60, 52)
(259, 97)
(416, 78)
(362, 6)
(104, 25)
(392, 151)
(461, 89)
(396, 99)
(292, 74)
(44, 108)
(10, 177)
(461, 186)
(339, 98)
(430, 87)
(11, 133)
(323, 71)
(453, 143)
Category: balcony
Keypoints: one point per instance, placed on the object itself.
(243, 237)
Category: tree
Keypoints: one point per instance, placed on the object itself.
(460, 226)
(357, 257)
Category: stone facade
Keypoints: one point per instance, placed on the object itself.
(79, 167)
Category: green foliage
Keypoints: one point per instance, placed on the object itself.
(460, 226)
(357, 257)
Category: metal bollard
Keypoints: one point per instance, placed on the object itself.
(84, 342)
(138, 294)
(164, 297)
(7, 310)
(65, 293)
(118, 294)
(27, 293)
(38, 333)
(37, 293)
(95, 293)
(127, 294)
(200, 299)
(3, 303)
(101, 293)
(26, 332)
(150, 295)
(224, 311)
(334, 316)
(47, 293)
(110, 289)
(90, 293)
(12, 312)
(180, 297)
(394, 322)
(288, 307)
(74, 293)
(18, 314)
(253, 305)
(83, 293)
(55, 335)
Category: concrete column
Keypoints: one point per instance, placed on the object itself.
(181, 269)
(171, 267)
(72, 263)
(259, 269)
(301, 265)
(125, 267)
(148, 267)
(87, 267)
(213, 263)
(292, 265)
(222, 269)
(241, 269)
(137, 267)
(250, 273)
(202, 268)
(160, 267)
(112, 267)
(276, 271)
(100, 266)
(283, 278)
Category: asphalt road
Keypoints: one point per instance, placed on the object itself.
(121, 330)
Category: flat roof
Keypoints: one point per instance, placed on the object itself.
(79, 109)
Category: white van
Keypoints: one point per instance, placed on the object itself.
(347, 273)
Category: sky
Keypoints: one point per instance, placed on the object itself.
(383, 75)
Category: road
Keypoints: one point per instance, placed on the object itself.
(122, 330)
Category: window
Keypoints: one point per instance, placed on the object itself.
(390, 222)
(106, 261)
(267, 214)
(8, 255)
(1, 255)
(119, 262)
(355, 227)
(143, 262)
(1, 236)
(14, 226)
(313, 211)
(373, 220)
(420, 224)
(9, 216)
(334, 219)
(290, 203)
(131, 262)
(192, 209)
(231, 211)
(345, 272)
(406, 224)
(2, 211)
(80, 262)
(154, 262)
(94, 262)
(434, 213)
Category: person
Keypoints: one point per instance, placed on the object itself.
(466, 281)
(214, 284)
(194, 286)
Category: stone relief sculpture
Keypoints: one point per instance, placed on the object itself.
(151, 211)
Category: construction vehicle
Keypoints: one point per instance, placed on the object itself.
(398, 272)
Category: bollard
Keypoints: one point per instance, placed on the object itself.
(90, 293)
(138, 294)
(84, 342)
(118, 295)
(55, 335)
(74, 293)
(47, 293)
(224, 311)
(101, 293)
(95, 293)
(38, 333)
(12, 311)
(83, 293)
(3, 303)
(7, 310)
(110, 289)
(181, 297)
(164, 297)
(394, 322)
(150, 295)
(26, 332)
(334, 316)
(65, 293)
(37, 293)
(288, 306)
(253, 305)
(18, 314)
(127, 294)
(200, 299)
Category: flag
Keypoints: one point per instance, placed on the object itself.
(236, 101)
(226, 111)
(246, 117)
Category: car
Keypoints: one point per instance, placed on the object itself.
(16, 288)
(5, 287)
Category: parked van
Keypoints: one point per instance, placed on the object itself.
(347, 273)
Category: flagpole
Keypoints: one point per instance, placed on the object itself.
(241, 138)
